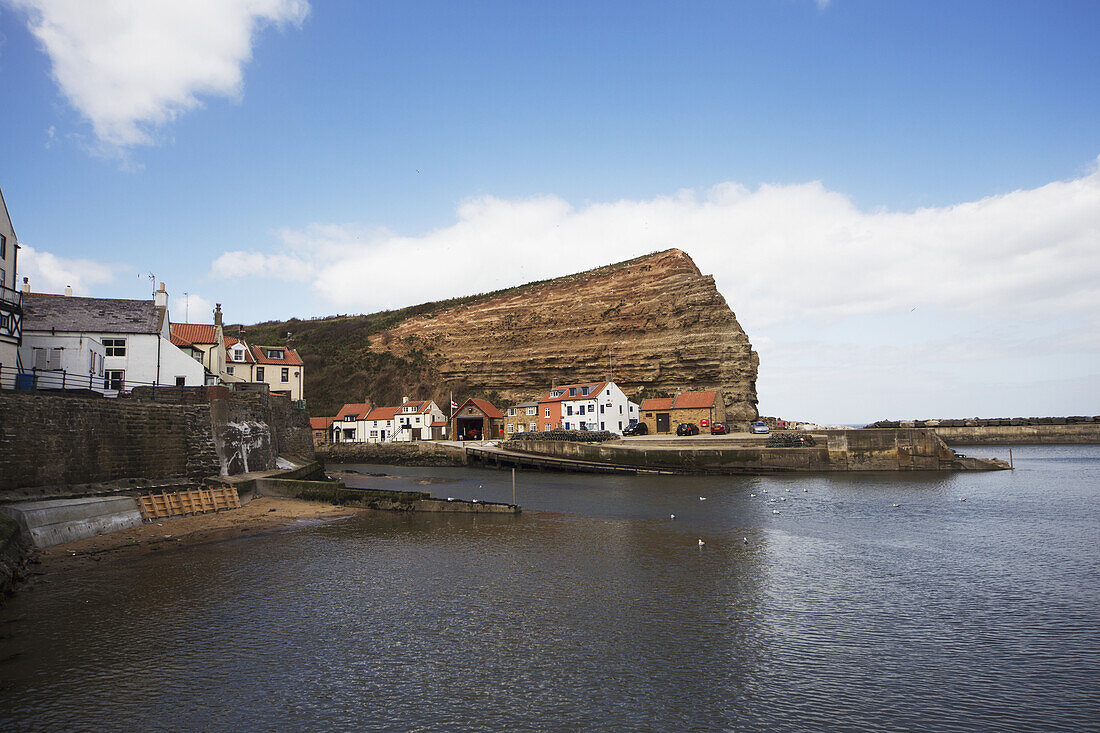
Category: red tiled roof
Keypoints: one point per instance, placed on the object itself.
(177, 341)
(290, 356)
(485, 406)
(383, 413)
(695, 400)
(657, 403)
(357, 410)
(195, 333)
(594, 389)
(439, 423)
(230, 342)
(320, 423)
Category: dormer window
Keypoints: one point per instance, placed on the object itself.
(584, 390)
(572, 391)
(273, 353)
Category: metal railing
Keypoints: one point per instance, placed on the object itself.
(62, 381)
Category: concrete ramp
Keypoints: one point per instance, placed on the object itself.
(55, 521)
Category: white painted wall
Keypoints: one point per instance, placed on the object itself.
(76, 369)
(609, 410)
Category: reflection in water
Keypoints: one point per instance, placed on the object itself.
(594, 610)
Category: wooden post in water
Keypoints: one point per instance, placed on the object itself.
(1010, 458)
(513, 487)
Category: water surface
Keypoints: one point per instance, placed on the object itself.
(595, 610)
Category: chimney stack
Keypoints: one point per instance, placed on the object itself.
(68, 291)
(404, 400)
(217, 314)
(26, 285)
(160, 298)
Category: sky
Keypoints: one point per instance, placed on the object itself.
(899, 201)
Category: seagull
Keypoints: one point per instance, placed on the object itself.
(671, 516)
(701, 543)
(775, 511)
(896, 505)
(702, 498)
(745, 540)
(787, 490)
(474, 500)
(752, 494)
(782, 498)
(450, 498)
(805, 490)
(764, 490)
(962, 498)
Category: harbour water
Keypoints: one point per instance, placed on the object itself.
(595, 610)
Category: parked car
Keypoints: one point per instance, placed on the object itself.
(759, 428)
(687, 428)
(719, 428)
(638, 428)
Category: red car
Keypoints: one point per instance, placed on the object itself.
(719, 428)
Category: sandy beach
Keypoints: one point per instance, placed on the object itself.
(263, 514)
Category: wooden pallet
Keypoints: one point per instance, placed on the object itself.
(183, 503)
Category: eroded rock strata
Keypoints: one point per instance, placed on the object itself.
(654, 322)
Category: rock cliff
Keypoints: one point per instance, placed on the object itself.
(654, 322)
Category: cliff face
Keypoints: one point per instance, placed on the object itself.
(654, 322)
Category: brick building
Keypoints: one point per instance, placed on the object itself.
(521, 418)
(662, 415)
(476, 419)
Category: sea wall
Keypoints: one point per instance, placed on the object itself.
(1009, 431)
(57, 440)
(53, 439)
(836, 450)
(422, 453)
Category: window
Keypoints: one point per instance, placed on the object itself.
(572, 391)
(602, 427)
(511, 428)
(620, 426)
(511, 412)
(535, 427)
(181, 381)
(3, 247)
(547, 426)
(114, 347)
(620, 409)
(259, 374)
(567, 426)
(374, 434)
(584, 426)
(584, 390)
(532, 410)
(601, 409)
(547, 414)
(349, 418)
(273, 353)
(286, 374)
(114, 379)
(197, 355)
(569, 409)
(238, 353)
(229, 369)
(3, 279)
(47, 359)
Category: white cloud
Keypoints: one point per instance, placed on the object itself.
(49, 273)
(779, 253)
(130, 66)
(186, 307)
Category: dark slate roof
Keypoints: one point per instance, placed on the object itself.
(42, 312)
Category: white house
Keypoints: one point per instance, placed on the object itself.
(64, 361)
(415, 420)
(379, 425)
(345, 427)
(11, 311)
(588, 406)
(134, 334)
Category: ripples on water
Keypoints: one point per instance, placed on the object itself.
(593, 610)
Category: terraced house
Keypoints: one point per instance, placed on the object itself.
(590, 406)
(662, 415)
(11, 301)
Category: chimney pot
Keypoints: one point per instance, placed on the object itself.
(404, 400)
(217, 314)
(68, 291)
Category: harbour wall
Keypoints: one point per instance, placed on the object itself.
(836, 450)
(1009, 431)
(420, 453)
(52, 441)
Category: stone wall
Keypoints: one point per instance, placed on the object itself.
(1077, 429)
(59, 440)
(14, 551)
(393, 454)
(50, 440)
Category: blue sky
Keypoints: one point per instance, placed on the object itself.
(899, 200)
